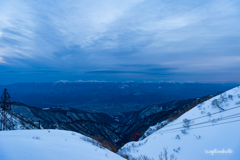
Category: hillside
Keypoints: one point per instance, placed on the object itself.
(141, 120)
(90, 124)
(208, 131)
(49, 145)
(118, 130)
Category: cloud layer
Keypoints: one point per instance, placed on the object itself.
(98, 40)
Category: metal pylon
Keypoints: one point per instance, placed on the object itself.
(6, 116)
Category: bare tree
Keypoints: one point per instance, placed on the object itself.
(164, 155)
(216, 103)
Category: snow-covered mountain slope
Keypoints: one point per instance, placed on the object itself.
(141, 120)
(211, 130)
(17, 121)
(65, 118)
(50, 145)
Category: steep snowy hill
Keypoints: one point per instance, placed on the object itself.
(49, 145)
(141, 120)
(208, 131)
(90, 124)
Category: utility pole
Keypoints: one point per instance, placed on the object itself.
(39, 127)
(5, 106)
(136, 134)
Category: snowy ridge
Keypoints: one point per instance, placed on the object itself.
(208, 131)
(49, 145)
(66, 118)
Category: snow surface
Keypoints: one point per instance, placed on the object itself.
(50, 145)
(207, 134)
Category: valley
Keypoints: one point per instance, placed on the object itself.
(111, 98)
(118, 129)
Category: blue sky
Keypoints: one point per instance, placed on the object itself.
(119, 40)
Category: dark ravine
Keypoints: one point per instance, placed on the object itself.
(118, 129)
(141, 120)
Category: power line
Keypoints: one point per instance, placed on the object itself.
(212, 125)
(203, 116)
(221, 119)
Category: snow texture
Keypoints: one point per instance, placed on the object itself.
(208, 131)
(50, 145)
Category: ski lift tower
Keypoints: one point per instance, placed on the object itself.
(5, 106)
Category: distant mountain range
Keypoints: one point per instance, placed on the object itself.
(108, 97)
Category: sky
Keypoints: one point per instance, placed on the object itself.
(119, 40)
